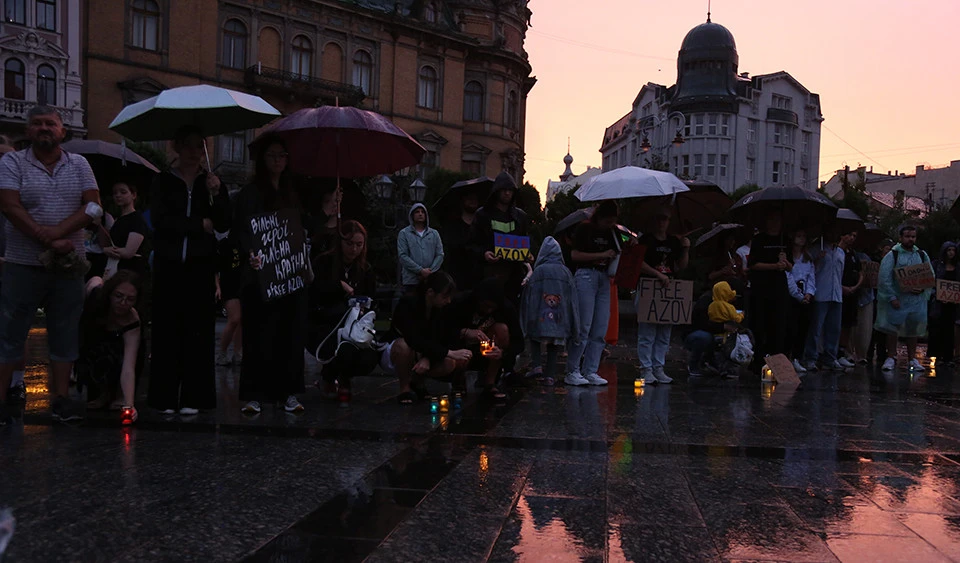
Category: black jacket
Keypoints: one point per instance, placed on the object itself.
(700, 318)
(425, 335)
(461, 314)
(168, 211)
(461, 257)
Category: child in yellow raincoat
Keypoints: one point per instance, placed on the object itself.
(722, 309)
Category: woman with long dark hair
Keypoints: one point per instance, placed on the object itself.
(943, 316)
(273, 331)
(187, 205)
(343, 274)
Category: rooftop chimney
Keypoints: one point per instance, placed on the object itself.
(919, 168)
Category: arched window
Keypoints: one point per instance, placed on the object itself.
(430, 13)
(302, 60)
(234, 44)
(46, 85)
(47, 15)
(13, 80)
(513, 110)
(427, 88)
(363, 71)
(473, 101)
(146, 24)
(15, 11)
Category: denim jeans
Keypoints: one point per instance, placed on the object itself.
(593, 292)
(653, 342)
(25, 288)
(824, 332)
(696, 343)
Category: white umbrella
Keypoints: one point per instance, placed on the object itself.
(214, 110)
(631, 181)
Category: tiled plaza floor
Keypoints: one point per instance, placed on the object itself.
(856, 466)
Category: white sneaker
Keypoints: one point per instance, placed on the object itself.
(222, 359)
(252, 407)
(595, 379)
(168, 411)
(798, 368)
(835, 366)
(575, 378)
(811, 366)
(845, 363)
(188, 411)
(889, 365)
(915, 365)
(292, 405)
(661, 375)
(648, 377)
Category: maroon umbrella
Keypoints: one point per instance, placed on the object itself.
(343, 142)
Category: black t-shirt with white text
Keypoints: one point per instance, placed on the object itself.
(661, 255)
(588, 238)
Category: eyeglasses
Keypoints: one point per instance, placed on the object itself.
(276, 155)
(122, 298)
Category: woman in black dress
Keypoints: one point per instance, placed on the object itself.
(187, 205)
(229, 278)
(943, 316)
(273, 335)
(128, 232)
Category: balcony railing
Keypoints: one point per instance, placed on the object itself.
(17, 110)
(305, 85)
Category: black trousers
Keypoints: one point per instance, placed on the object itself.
(941, 334)
(273, 342)
(182, 370)
(768, 320)
(349, 363)
(798, 323)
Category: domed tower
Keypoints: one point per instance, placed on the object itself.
(707, 70)
(568, 160)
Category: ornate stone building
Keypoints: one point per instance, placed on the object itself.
(40, 57)
(452, 73)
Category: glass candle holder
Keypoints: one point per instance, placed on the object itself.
(444, 403)
(458, 400)
(485, 347)
(434, 405)
(638, 383)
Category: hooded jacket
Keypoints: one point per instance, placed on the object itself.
(548, 308)
(462, 313)
(417, 251)
(490, 219)
(722, 310)
(940, 269)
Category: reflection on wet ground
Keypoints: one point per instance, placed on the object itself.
(856, 466)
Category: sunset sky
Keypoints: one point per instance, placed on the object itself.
(886, 71)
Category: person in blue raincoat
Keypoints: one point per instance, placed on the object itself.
(902, 313)
(548, 308)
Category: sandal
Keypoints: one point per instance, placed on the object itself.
(407, 398)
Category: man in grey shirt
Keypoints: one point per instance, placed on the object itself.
(47, 196)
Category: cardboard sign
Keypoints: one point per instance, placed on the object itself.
(782, 368)
(948, 291)
(658, 304)
(514, 248)
(918, 276)
(871, 274)
(279, 242)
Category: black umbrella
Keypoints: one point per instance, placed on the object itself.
(698, 208)
(574, 219)
(800, 208)
(870, 237)
(718, 232)
(846, 221)
(451, 198)
(112, 163)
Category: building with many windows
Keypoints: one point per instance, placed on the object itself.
(41, 58)
(720, 125)
(452, 73)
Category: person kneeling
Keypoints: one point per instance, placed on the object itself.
(421, 348)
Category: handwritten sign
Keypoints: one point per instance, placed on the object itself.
(918, 276)
(658, 304)
(514, 248)
(279, 242)
(782, 368)
(948, 291)
(871, 274)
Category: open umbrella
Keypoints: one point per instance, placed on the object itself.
(214, 110)
(574, 219)
(346, 142)
(799, 208)
(870, 237)
(629, 182)
(451, 198)
(847, 220)
(718, 232)
(701, 207)
(112, 162)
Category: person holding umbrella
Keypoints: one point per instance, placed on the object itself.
(186, 207)
(463, 260)
(666, 255)
(769, 296)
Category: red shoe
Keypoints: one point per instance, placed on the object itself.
(128, 415)
(344, 396)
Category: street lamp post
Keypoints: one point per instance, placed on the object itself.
(677, 141)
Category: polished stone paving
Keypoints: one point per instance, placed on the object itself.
(858, 466)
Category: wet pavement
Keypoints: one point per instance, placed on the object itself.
(858, 466)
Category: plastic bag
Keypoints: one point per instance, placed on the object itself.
(742, 352)
(7, 526)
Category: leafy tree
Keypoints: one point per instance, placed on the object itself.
(743, 190)
(656, 162)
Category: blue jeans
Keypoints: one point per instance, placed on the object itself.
(653, 342)
(593, 292)
(824, 332)
(696, 343)
(24, 289)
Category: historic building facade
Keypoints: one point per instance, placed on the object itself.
(452, 73)
(41, 58)
(720, 125)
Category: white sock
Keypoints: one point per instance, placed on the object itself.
(17, 378)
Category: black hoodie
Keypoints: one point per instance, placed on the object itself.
(490, 219)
